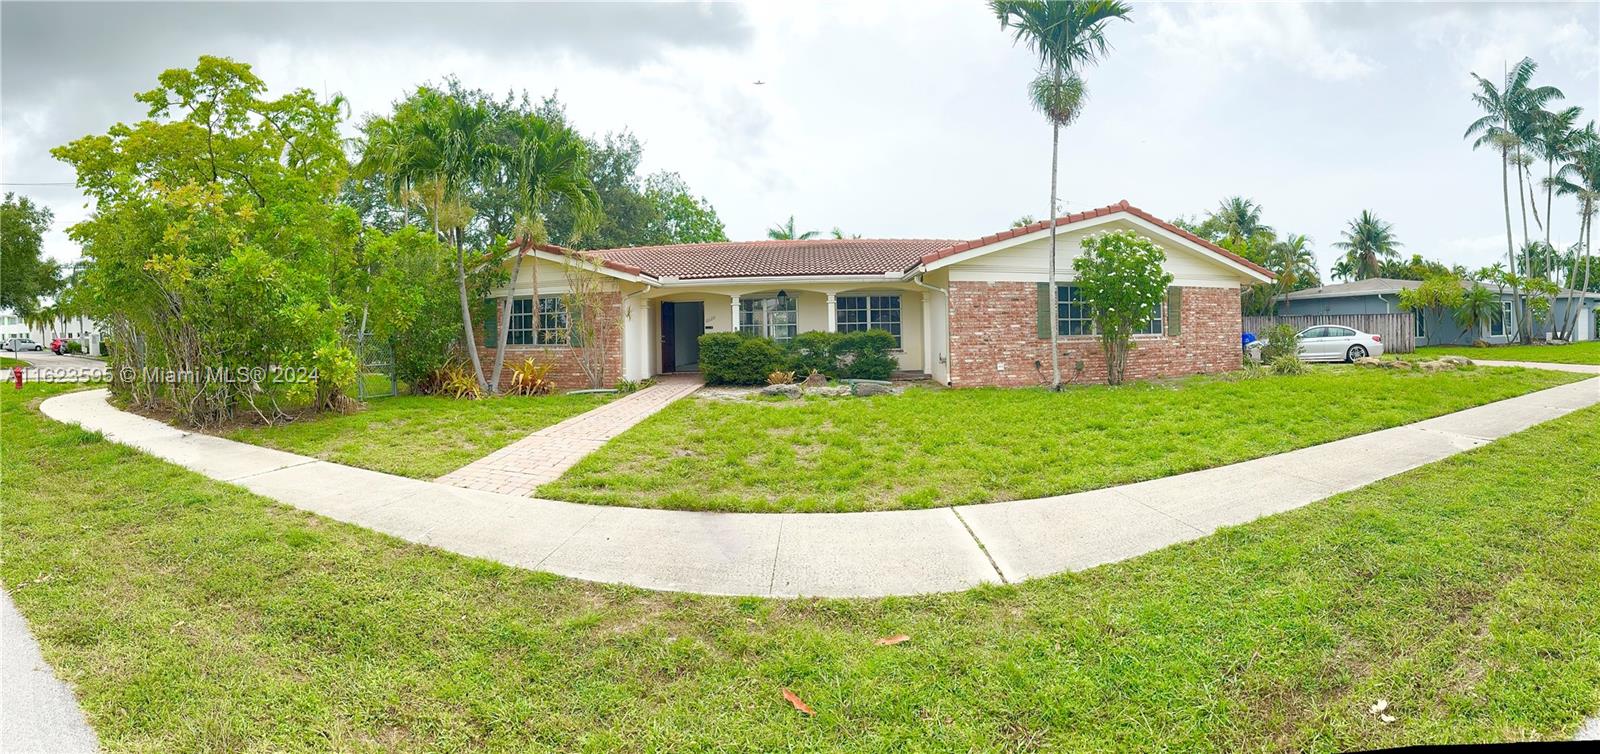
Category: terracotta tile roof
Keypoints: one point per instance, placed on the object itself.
(821, 256)
(829, 256)
(1122, 206)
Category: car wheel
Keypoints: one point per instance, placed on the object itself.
(1355, 352)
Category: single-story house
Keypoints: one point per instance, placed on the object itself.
(1382, 296)
(965, 313)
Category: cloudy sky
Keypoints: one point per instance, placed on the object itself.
(888, 119)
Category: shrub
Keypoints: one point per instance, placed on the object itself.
(1123, 280)
(864, 355)
(815, 351)
(454, 379)
(737, 359)
(780, 377)
(1287, 364)
(1282, 340)
(73, 346)
(532, 378)
(633, 386)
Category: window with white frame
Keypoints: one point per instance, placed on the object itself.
(1074, 316)
(1502, 323)
(870, 312)
(552, 323)
(769, 316)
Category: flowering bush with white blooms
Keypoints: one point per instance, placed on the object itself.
(1121, 278)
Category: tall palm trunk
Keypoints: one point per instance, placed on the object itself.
(1055, 305)
(1523, 312)
(1511, 250)
(466, 312)
(503, 331)
(1573, 293)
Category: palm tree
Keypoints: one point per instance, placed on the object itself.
(840, 234)
(1066, 35)
(1580, 179)
(1367, 242)
(1240, 218)
(1344, 268)
(1555, 136)
(1294, 263)
(787, 232)
(544, 163)
(445, 147)
(1479, 306)
(1507, 120)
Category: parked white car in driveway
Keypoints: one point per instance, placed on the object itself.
(1338, 343)
(1331, 343)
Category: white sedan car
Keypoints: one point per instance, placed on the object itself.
(1338, 343)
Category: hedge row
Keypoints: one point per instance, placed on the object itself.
(739, 359)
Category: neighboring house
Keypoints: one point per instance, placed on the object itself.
(1382, 296)
(82, 329)
(965, 313)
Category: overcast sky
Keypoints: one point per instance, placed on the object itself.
(888, 119)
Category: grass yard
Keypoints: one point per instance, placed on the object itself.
(1586, 352)
(419, 436)
(194, 616)
(6, 362)
(929, 447)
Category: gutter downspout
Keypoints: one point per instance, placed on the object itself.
(949, 358)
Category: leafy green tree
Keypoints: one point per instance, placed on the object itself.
(786, 232)
(26, 274)
(1439, 292)
(1066, 35)
(406, 284)
(1121, 276)
(1415, 268)
(677, 215)
(216, 245)
(1368, 241)
(839, 235)
(1240, 218)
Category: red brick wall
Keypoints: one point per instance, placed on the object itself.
(567, 372)
(994, 339)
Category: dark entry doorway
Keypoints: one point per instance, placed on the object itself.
(682, 324)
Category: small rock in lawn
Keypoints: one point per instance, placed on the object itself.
(787, 391)
(1368, 361)
(834, 390)
(1397, 364)
(870, 388)
(815, 380)
(1435, 366)
(1460, 361)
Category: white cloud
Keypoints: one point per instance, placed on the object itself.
(1231, 37)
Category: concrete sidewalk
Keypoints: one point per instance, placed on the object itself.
(38, 712)
(826, 554)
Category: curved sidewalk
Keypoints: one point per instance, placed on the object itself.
(826, 554)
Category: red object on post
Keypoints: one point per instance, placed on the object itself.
(16, 374)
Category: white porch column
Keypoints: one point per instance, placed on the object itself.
(927, 333)
(833, 313)
(733, 324)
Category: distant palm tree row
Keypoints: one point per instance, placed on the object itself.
(1522, 124)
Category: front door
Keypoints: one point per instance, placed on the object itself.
(682, 324)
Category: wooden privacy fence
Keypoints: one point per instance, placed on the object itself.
(1395, 329)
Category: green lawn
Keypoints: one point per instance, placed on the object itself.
(1586, 352)
(419, 436)
(929, 447)
(194, 616)
(7, 362)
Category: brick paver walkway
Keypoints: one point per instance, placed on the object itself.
(519, 468)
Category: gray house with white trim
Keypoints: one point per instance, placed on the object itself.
(1382, 296)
